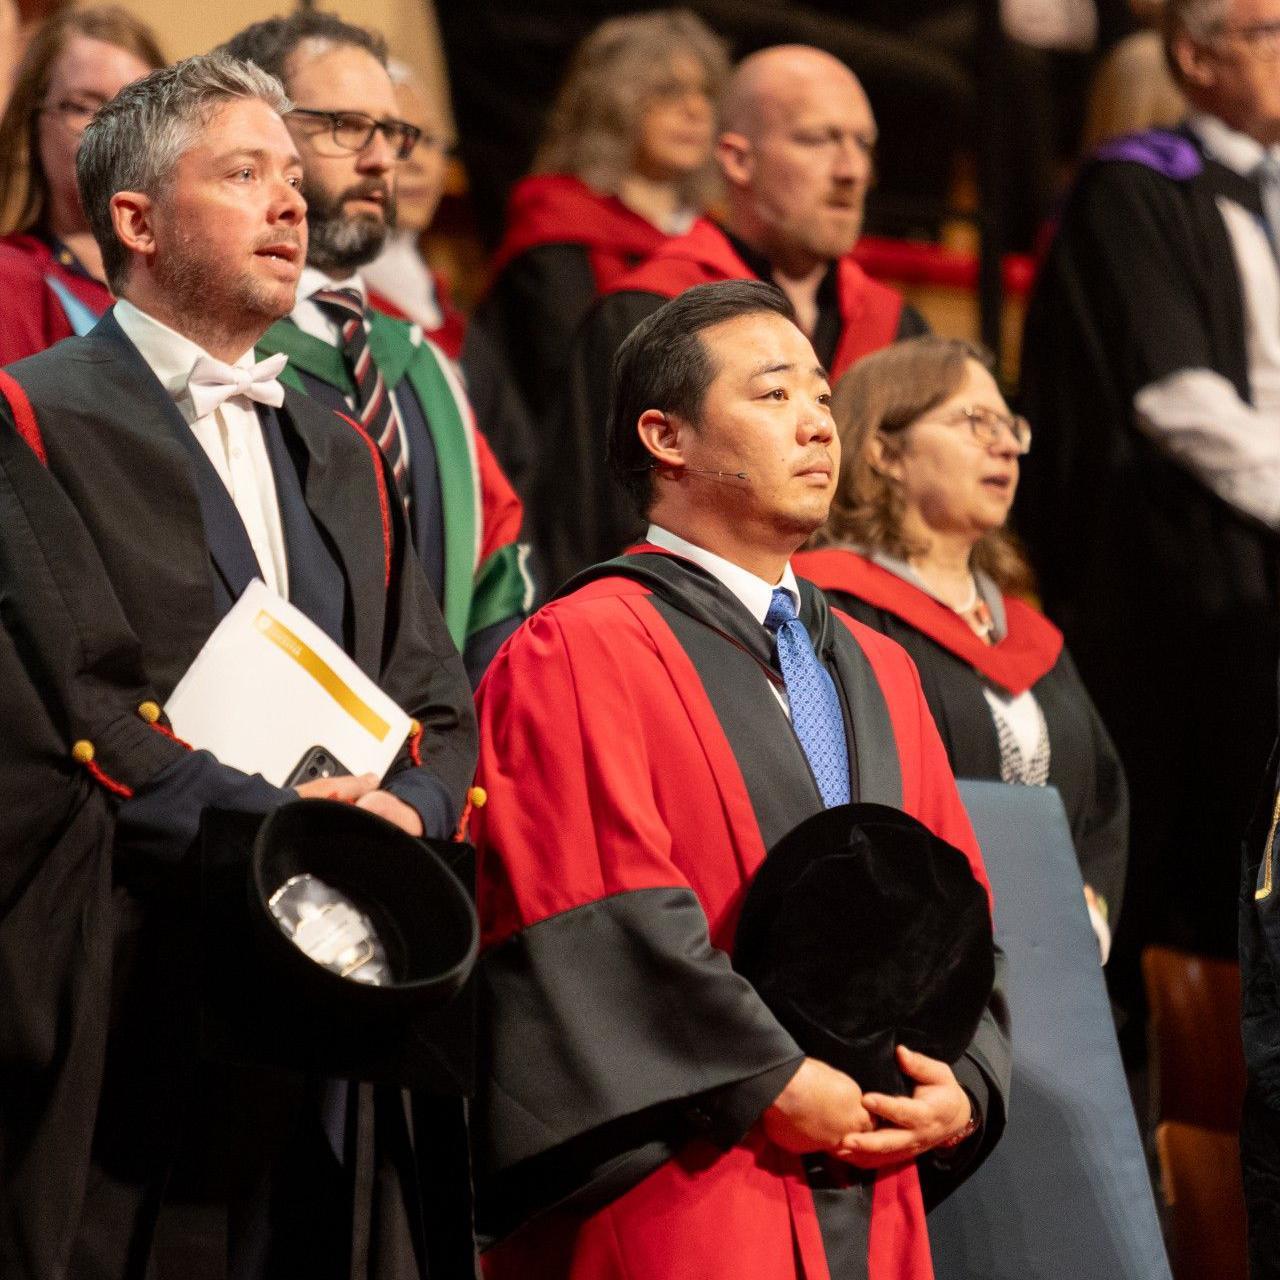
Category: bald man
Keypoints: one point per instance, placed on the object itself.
(796, 151)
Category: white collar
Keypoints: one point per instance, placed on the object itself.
(169, 354)
(1228, 146)
(755, 594)
(312, 278)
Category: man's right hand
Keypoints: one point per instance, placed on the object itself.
(817, 1111)
(345, 788)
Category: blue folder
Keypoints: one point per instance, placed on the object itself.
(1065, 1195)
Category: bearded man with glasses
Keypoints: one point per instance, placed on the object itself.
(382, 372)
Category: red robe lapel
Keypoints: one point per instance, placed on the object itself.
(556, 208)
(1028, 652)
(869, 311)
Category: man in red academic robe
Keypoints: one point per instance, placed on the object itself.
(795, 149)
(645, 740)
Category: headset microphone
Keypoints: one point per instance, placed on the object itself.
(701, 471)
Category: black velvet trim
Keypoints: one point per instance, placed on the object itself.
(600, 1027)
(724, 641)
(842, 1200)
(986, 1071)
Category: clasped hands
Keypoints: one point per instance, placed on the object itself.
(822, 1109)
(362, 791)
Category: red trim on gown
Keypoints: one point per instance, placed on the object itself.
(557, 208)
(869, 311)
(1029, 650)
(32, 318)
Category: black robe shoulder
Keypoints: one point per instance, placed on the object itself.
(1083, 763)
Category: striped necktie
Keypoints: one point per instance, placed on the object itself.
(374, 406)
(816, 715)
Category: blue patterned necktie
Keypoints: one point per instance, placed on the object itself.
(815, 706)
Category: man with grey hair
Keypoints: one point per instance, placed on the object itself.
(1151, 502)
(196, 472)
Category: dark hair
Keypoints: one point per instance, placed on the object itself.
(24, 188)
(269, 44)
(664, 364)
(882, 395)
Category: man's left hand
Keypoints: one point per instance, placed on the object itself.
(385, 805)
(937, 1109)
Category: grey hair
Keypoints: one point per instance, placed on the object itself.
(134, 141)
(591, 130)
(1199, 19)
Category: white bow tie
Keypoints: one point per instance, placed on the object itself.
(212, 381)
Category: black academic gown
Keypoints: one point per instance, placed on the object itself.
(1260, 1027)
(177, 557)
(71, 672)
(1083, 764)
(1169, 599)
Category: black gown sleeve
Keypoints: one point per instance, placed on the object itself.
(535, 308)
(70, 670)
(986, 1071)
(1102, 831)
(580, 515)
(499, 406)
(423, 673)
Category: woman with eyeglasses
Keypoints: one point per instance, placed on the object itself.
(916, 547)
(625, 162)
(51, 278)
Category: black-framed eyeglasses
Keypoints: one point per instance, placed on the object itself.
(1262, 39)
(988, 426)
(353, 130)
(431, 142)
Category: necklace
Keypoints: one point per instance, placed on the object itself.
(975, 612)
(971, 601)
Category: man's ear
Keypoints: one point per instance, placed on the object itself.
(736, 158)
(133, 217)
(662, 437)
(1194, 61)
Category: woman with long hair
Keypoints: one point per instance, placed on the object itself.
(916, 547)
(51, 272)
(625, 162)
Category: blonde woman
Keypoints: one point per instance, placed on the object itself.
(625, 163)
(916, 547)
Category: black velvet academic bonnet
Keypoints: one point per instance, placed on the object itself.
(863, 930)
(268, 1000)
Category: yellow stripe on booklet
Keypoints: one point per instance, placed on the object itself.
(269, 691)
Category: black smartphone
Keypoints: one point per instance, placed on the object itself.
(316, 763)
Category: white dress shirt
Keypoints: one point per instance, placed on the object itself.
(1231, 446)
(231, 437)
(401, 273)
(755, 594)
(310, 319)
